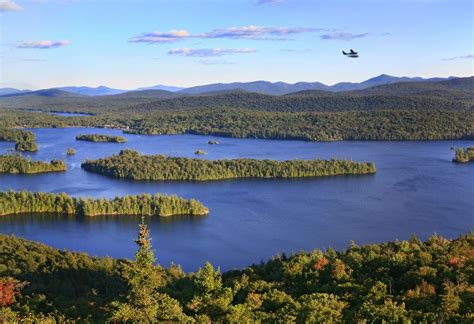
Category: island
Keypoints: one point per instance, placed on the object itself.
(464, 155)
(24, 140)
(200, 152)
(16, 163)
(71, 151)
(132, 165)
(12, 202)
(213, 142)
(101, 138)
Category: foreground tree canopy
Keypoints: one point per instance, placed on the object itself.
(101, 138)
(464, 155)
(39, 202)
(16, 163)
(131, 164)
(392, 282)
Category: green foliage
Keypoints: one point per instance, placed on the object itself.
(24, 140)
(464, 155)
(39, 202)
(16, 163)
(388, 282)
(131, 164)
(101, 138)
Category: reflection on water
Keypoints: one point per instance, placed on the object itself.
(417, 189)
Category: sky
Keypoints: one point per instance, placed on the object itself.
(137, 43)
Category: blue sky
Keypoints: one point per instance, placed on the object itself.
(130, 44)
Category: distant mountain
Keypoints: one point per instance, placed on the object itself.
(280, 88)
(160, 87)
(9, 91)
(89, 91)
(51, 93)
(152, 94)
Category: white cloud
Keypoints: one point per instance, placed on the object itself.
(208, 52)
(343, 36)
(44, 44)
(8, 5)
(161, 37)
(244, 32)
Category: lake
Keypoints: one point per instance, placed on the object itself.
(417, 189)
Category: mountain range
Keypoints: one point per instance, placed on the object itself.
(261, 87)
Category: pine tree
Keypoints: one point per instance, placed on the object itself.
(144, 302)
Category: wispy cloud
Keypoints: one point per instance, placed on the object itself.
(271, 2)
(216, 62)
(209, 52)
(44, 44)
(7, 5)
(161, 37)
(243, 32)
(463, 57)
(257, 32)
(343, 36)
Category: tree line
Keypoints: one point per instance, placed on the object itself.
(12, 202)
(132, 165)
(101, 138)
(16, 163)
(395, 282)
(247, 123)
(464, 155)
(24, 140)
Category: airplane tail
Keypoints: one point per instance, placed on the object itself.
(344, 53)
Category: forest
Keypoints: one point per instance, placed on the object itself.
(132, 165)
(24, 140)
(19, 202)
(464, 155)
(101, 138)
(16, 163)
(394, 282)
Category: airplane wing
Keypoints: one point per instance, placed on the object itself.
(352, 52)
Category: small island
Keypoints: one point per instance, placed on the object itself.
(464, 155)
(213, 142)
(17, 202)
(71, 151)
(101, 138)
(16, 163)
(24, 140)
(132, 165)
(200, 152)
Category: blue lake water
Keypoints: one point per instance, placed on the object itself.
(417, 189)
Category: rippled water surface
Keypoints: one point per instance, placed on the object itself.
(417, 189)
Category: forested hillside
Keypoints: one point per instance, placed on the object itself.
(401, 111)
(395, 282)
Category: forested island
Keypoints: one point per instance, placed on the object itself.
(394, 282)
(132, 165)
(16, 163)
(101, 138)
(464, 155)
(24, 140)
(12, 202)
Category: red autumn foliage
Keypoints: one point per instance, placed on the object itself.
(453, 261)
(9, 289)
(321, 264)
